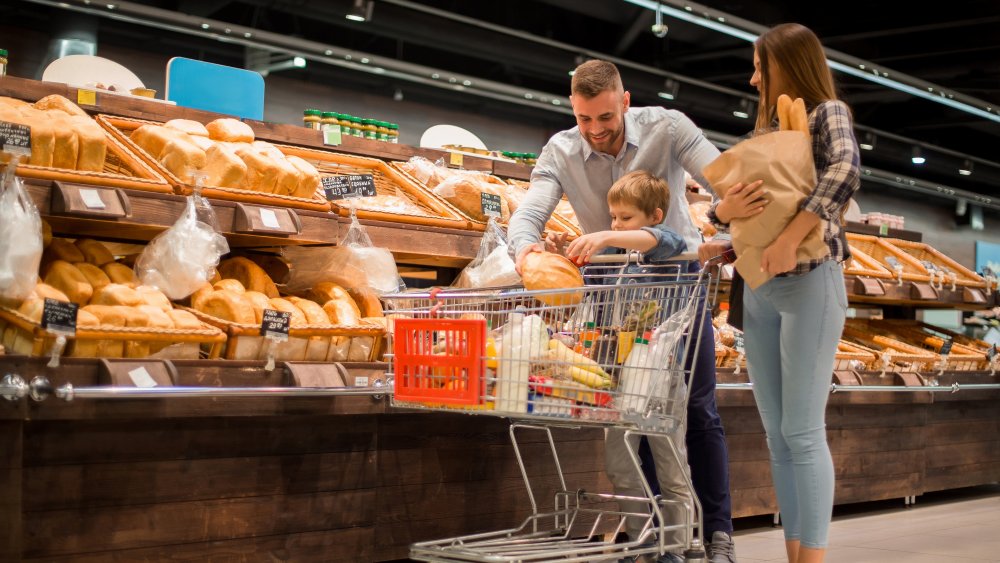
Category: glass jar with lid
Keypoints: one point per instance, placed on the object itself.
(356, 127)
(312, 118)
(371, 131)
(344, 121)
(3, 62)
(531, 159)
(393, 133)
(329, 121)
(383, 130)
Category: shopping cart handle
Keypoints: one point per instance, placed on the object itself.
(636, 257)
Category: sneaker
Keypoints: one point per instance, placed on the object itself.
(670, 558)
(721, 549)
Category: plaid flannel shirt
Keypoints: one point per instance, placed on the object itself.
(838, 166)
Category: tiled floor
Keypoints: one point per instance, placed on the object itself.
(951, 527)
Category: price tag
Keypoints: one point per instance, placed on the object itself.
(360, 381)
(930, 266)
(141, 378)
(16, 138)
(331, 137)
(883, 229)
(275, 324)
(455, 159)
(946, 347)
(92, 199)
(349, 186)
(269, 218)
(86, 98)
(740, 345)
(892, 261)
(991, 353)
(59, 316)
(491, 205)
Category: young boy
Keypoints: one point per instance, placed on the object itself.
(638, 203)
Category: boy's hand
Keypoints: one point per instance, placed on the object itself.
(581, 250)
(537, 247)
(742, 200)
(556, 243)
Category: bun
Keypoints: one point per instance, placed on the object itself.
(66, 278)
(117, 294)
(545, 270)
(121, 274)
(187, 126)
(230, 284)
(248, 273)
(231, 130)
(62, 249)
(95, 276)
(94, 252)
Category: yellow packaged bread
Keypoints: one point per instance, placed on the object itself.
(94, 252)
(95, 276)
(121, 274)
(188, 126)
(117, 294)
(66, 278)
(230, 130)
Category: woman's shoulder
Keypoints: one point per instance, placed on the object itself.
(828, 107)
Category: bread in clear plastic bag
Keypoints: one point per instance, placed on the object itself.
(183, 258)
(492, 266)
(20, 239)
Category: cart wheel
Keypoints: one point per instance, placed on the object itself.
(695, 556)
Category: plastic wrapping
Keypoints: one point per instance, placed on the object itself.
(183, 258)
(20, 239)
(492, 266)
(426, 172)
(356, 263)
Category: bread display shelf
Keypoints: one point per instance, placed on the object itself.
(949, 271)
(866, 290)
(122, 129)
(861, 264)
(962, 356)
(335, 343)
(434, 211)
(558, 222)
(41, 341)
(122, 169)
(893, 354)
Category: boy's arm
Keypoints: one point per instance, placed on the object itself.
(656, 243)
(668, 243)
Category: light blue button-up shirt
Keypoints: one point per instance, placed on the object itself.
(662, 142)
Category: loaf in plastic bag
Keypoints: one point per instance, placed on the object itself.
(493, 266)
(20, 239)
(356, 263)
(183, 258)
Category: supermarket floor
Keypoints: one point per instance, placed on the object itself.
(947, 527)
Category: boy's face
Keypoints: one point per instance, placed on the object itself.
(627, 217)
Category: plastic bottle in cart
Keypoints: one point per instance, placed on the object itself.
(513, 366)
(633, 383)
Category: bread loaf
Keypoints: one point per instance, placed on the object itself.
(183, 158)
(367, 301)
(342, 312)
(229, 306)
(93, 144)
(95, 276)
(110, 316)
(66, 278)
(325, 291)
(62, 249)
(188, 126)
(43, 133)
(784, 107)
(136, 318)
(154, 138)
(198, 297)
(12, 103)
(466, 191)
(94, 252)
(117, 294)
(224, 168)
(249, 274)
(85, 348)
(230, 284)
(267, 149)
(46, 291)
(121, 274)
(262, 172)
(314, 314)
(154, 297)
(203, 143)
(258, 301)
(545, 270)
(228, 129)
(297, 318)
(798, 118)
(57, 102)
(158, 318)
(309, 178)
(67, 141)
(184, 320)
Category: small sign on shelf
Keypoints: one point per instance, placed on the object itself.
(349, 186)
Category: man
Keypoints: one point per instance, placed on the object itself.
(609, 141)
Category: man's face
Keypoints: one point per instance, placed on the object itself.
(602, 119)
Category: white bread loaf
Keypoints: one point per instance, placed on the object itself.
(231, 130)
(188, 126)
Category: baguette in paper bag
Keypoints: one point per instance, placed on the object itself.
(784, 161)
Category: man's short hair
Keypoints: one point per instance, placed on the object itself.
(595, 76)
(643, 190)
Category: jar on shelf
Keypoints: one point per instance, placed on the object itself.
(329, 121)
(531, 159)
(313, 119)
(371, 131)
(383, 130)
(393, 133)
(356, 127)
(3, 62)
(344, 121)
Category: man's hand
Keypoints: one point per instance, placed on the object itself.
(742, 200)
(711, 249)
(581, 250)
(778, 258)
(537, 247)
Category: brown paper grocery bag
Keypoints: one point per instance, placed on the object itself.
(784, 160)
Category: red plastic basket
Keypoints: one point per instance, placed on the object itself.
(439, 361)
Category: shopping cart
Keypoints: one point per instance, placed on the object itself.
(616, 353)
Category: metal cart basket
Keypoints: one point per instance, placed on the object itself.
(617, 353)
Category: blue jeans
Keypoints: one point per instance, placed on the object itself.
(793, 325)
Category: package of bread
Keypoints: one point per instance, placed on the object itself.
(231, 130)
(367, 301)
(94, 252)
(546, 270)
(110, 317)
(258, 301)
(154, 297)
(93, 144)
(230, 284)
(229, 306)
(188, 126)
(67, 278)
(55, 101)
(262, 172)
(465, 191)
(120, 273)
(117, 294)
(95, 276)
(249, 274)
(309, 178)
(182, 158)
(223, 167)
(85, 348)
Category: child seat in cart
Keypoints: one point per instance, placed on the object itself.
(616, 353)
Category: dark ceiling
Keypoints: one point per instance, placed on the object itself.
(955, 46)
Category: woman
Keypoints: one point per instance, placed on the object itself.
(794, 321)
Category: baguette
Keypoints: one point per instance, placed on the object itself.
(798, 119)
(784, 107)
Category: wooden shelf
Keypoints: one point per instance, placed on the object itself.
(876, 230)
(919, 295)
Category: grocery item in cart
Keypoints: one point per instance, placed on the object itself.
(549, 271)
(492, 266)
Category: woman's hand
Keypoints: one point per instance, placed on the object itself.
(742, 200)
(556, 243)
(581, 250)
(779, 257)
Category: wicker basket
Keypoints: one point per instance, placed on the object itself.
(894, 355)
(434, 211)
(122, 169)
(333, 343)
(931, 259)
(851, 357)
(122, 128)
(961, 357)
(861, 264)
(40, 342)
(885, 253)
(558, 223)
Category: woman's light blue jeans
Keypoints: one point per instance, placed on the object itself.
(792, 327)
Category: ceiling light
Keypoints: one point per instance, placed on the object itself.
(918, 157)
(248, 35)
(670, 89)
(743, 111)
(572, 72)
(364, 60)
(467, 83)
(298, 62)
(435, 76)
(867, 141)
(328, 52)
(966, 168)
(205, 26)
(361, 10)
